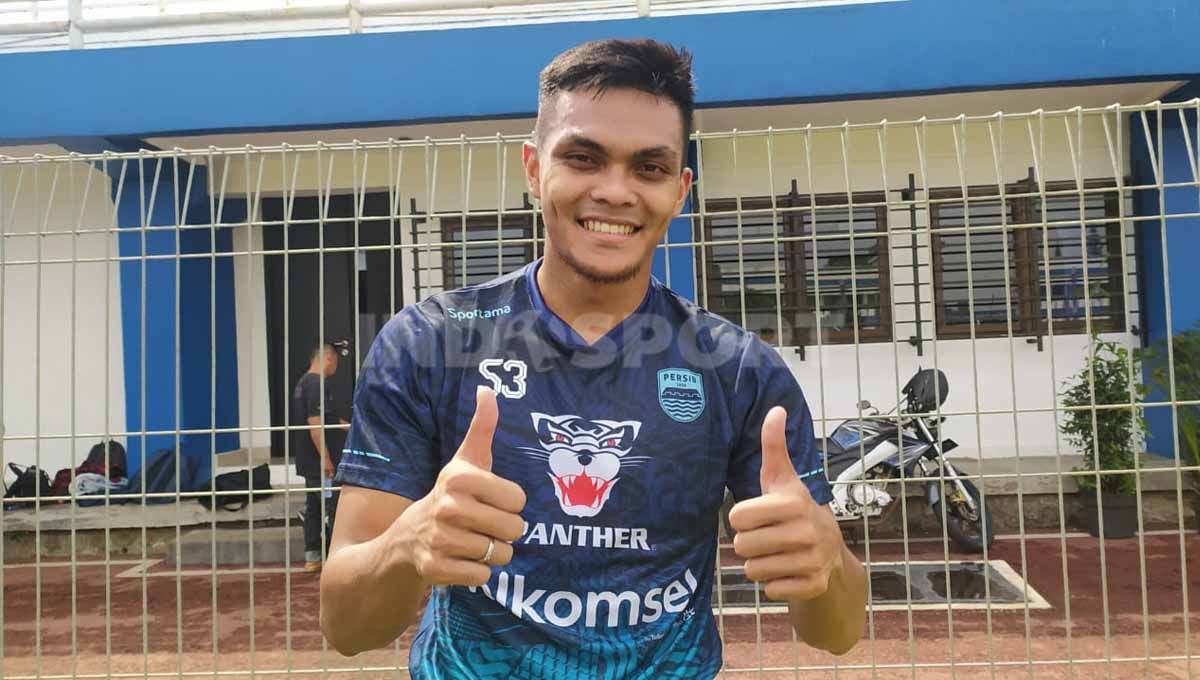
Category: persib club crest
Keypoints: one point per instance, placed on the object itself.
(681, 394)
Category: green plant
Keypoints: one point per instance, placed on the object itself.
(1185, 349)
(1106, 436)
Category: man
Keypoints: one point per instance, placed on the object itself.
(310, 447)
(548, 451)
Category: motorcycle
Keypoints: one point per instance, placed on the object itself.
(866, 459)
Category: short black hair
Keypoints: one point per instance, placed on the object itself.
(646, 65)
(319, 347)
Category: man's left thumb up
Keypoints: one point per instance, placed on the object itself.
(777, 467)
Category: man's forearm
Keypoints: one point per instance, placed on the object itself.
(369, 596)
(318, 440)
(834, 621)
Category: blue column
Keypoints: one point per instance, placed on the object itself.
(1182, 235)
(167, 310)
(682, 277)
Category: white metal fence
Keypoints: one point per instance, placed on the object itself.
(989, 247)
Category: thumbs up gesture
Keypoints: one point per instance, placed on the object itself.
(466, 524)
(791, 544)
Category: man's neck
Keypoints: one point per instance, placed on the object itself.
(591, 309)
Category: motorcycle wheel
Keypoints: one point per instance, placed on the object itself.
(969, 529)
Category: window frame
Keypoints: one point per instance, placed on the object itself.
(793, 211)
(451, 276)
(1028, 290)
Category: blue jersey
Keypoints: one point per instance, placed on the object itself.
(624, 448)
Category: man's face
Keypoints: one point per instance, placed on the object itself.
(331, 362)
(608, 173)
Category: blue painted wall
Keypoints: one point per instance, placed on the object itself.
(155, 293)
(800, 54)
(1177, 273)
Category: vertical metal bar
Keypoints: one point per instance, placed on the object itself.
(322, 219)
(1194, 166)
(758, 633)
(960, 152)
(393, 212)
(1057, 457)
(775, 242)
(214, 211)
(422, 252)
(882, 137)
(115, 230)
(72, 167)
(464, 193)
(3, 459)
(285, 389)
(771, 191)
(146, 210)
(358, 193)
(701, 210)
(1160, 170)
(501, 198)
(37, 396)
(742, 320)
(288, 202)
(844, 135)
(997, 144)
(1075, 146)
(178, 397)
(922, 146)
(1115, 154)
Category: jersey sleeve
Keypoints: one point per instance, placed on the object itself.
(764, 381)
(392, 444)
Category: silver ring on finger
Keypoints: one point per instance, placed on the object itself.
(487, 556)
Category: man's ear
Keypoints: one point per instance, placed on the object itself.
(529, 158)
(685, 188)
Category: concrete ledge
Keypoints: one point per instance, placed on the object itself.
(1040, 474)
(286, 496)
(233, 546)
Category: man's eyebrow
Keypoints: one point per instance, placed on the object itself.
(585, 142)
(662, 152)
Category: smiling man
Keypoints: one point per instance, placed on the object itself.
(545, 454)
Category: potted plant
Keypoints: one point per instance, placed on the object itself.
(1185, 349)
(1106, 436)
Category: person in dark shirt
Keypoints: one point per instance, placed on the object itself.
(545, 453)
(315, 459)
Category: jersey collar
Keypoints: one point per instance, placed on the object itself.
(561, 333)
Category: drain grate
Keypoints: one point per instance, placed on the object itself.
(972, 585)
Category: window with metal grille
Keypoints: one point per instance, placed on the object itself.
(480, 248)
(796, 269)
(1014, 260)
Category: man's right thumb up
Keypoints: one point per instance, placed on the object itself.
(476, 448)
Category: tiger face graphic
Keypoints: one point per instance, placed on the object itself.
(585, 458)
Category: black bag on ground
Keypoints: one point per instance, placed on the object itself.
(258, 479)
(31, 481)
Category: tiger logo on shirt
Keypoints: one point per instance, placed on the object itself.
(585, 458)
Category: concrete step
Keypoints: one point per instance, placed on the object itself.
(234, 545)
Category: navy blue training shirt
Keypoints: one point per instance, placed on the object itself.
(624, 448)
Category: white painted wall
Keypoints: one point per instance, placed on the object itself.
(254, 412)
(62, 382)
(989, 375)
